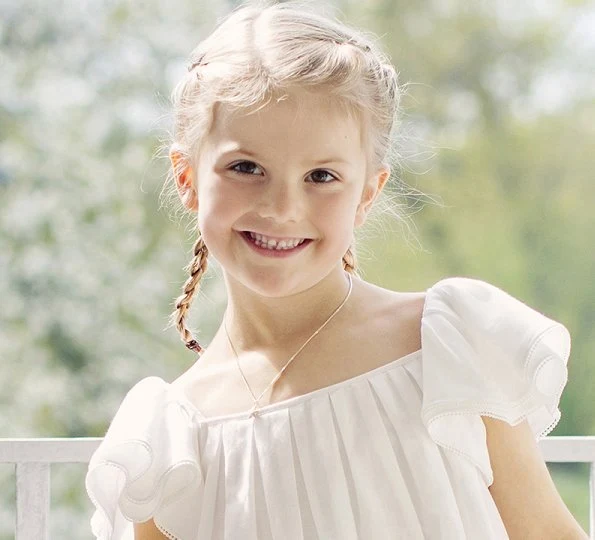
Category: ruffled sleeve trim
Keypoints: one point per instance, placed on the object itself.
(147, 461)
(485, 353)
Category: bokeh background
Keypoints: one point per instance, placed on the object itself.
(498, 132)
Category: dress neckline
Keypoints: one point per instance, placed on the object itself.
(290, 402)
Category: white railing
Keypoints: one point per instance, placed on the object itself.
(33, 457)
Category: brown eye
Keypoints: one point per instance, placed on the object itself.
(244, 167)
(321, 176)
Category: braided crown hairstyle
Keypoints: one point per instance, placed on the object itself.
(258, 51)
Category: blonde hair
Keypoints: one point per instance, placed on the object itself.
(258, 51)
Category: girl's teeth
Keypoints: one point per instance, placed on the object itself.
(273, 244)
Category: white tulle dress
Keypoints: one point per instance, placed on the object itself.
(397, 452)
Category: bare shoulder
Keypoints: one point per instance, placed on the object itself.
(394, 314)
(394, 305)
(393, 300)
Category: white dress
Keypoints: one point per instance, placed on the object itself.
(397, 452)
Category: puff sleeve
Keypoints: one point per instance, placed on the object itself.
(487, 353)
(146, 466)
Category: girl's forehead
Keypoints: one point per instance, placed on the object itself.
(288, 104)
(306, 119)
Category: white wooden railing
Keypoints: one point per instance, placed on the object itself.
(33, 457)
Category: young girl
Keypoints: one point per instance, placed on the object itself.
(325, 407)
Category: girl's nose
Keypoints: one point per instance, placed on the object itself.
(280, 201)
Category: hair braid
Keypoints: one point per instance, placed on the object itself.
(350, 261)
(197, 267)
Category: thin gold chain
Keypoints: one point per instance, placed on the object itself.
(254, 409)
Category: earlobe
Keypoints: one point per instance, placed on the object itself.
(184, 178)
(190, 200)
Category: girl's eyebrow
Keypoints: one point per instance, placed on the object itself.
(226, 152)
(331, 160)
(239, 150)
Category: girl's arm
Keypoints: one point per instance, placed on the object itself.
(523, 490)
(148, 531)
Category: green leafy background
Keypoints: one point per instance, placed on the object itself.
(497, 132)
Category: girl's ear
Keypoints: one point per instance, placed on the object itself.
(185, 178)
(372, 189)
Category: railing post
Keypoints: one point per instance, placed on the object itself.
(33, 501)
(592, 499)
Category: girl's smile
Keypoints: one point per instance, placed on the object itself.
(272, 248)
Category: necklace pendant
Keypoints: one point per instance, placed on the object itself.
(253, 411)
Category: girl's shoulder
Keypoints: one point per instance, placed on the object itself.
(147, 455)
(487, 353)
(486, 324)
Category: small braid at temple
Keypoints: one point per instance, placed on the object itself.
(197, 267)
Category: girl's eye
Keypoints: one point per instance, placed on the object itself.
(244, 167)
(319, 175)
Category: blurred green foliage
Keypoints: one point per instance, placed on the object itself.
(497, 123)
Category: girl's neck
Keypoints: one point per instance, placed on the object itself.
(258, 323)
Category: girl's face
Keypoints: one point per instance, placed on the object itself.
(295, 169)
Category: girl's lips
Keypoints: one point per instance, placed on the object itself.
(279, 253)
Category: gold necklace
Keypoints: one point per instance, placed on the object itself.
(254, 409)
